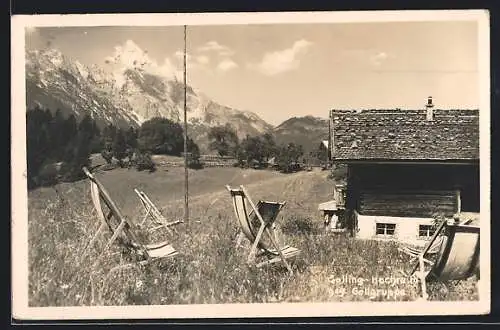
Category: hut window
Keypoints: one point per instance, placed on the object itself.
(385, 229)
(425, 230)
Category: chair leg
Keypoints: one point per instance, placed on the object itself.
(150, 230)
(253, 250)
(153, 212)
(115, 234)
(111, 240)
(422, 278)
(278, 238)
(148, 210)
(279, 251)
(92, 241)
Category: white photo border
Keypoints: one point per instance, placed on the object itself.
(19, 222)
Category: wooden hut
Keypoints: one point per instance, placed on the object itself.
(405, 168)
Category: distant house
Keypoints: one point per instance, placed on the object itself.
(271, 162)
(323, 146)
(405, 167)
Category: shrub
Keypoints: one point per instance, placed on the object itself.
(194, 155)
(48, 175)
(107, 154)
(195, 164)
(223, 139)
(298, 225)
(71, 171)
(161, 136)
(338, 173)
(144, 162)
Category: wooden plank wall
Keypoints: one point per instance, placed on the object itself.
(407, 190)
(407, 203)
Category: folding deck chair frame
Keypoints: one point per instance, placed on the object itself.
(122, 232)
(414, 252)
(153, 213)
(273, 254)
(449, 264)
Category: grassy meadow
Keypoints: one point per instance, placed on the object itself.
(209, 268)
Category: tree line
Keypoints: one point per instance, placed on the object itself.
(58, 147)
(255, 151)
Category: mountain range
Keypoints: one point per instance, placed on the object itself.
(308, 131)
(132, 94)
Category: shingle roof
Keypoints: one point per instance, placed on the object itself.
(394, 134)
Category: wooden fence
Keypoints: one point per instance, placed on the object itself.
(206, 160)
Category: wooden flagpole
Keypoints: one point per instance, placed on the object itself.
(186, 173)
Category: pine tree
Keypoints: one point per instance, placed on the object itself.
(86, 128)
(119, 147)
(194, 154)
(131, 138)
(69, 134)
(78, 150)
(108, 136)
(58, 141)
(96, 143)
(269, 146)
(38, 142)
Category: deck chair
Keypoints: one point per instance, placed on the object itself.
(457, 258)
(414, 252)
(256, 223)
(153, 214)
(111, 218)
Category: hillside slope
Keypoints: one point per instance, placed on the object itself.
(308, 131)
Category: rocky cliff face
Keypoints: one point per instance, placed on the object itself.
(127, 93)
(55, 82)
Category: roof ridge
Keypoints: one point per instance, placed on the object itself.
(397, 109)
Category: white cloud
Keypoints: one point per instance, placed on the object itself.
(168, 68)
(202, 59)
(180, 55)
(277, 62)
(226, 65)
(130, 55)
(193, 62)
(378, 58)
(214, 46)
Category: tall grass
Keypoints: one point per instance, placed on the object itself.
(210, 268)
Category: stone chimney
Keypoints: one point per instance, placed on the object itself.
(430, 109)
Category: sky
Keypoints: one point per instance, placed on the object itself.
(280, 71)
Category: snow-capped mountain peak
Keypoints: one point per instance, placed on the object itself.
(130, 56)
(130, 89)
